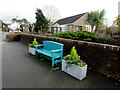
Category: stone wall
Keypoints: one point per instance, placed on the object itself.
(13, 37)
(103, 58)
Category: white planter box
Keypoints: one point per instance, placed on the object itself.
(74, 70)
(32, 51)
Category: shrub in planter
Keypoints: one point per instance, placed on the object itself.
(32, 48)
(73, 65)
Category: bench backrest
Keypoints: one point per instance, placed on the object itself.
(50, 45)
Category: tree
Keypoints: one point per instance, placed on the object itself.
(117, 22)
(51, 13)
(4, 26)
(14, 20)
(20, 21)
(31, 27)
(41, 22)
(90, 19)
(99, 19)
(25, 21)
(96, 19)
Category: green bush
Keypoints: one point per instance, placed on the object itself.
(78, 35)
(105, 40)
(86, 36)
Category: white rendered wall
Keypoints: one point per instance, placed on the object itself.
(64, 27)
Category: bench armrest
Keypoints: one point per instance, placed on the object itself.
(36, 46)
(58, 50)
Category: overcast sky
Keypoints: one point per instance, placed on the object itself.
(26, 8)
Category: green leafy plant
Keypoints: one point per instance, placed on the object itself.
(73, 58)
(55, 68)
(33, 43)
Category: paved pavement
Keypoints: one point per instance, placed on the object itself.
(22, 70)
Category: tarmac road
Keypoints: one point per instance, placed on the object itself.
(22, 70)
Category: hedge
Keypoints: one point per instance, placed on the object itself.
(86, 36)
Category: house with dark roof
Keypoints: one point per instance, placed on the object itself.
(73, 23)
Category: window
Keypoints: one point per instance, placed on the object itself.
(79, 28)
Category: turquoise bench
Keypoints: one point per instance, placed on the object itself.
(51, 49)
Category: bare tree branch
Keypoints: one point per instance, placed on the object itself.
(51, 13)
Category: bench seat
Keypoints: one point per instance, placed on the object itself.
(51, 49)
(48, 53)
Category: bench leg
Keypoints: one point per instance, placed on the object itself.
(52, 62)
(61, 59)
(36, 54)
